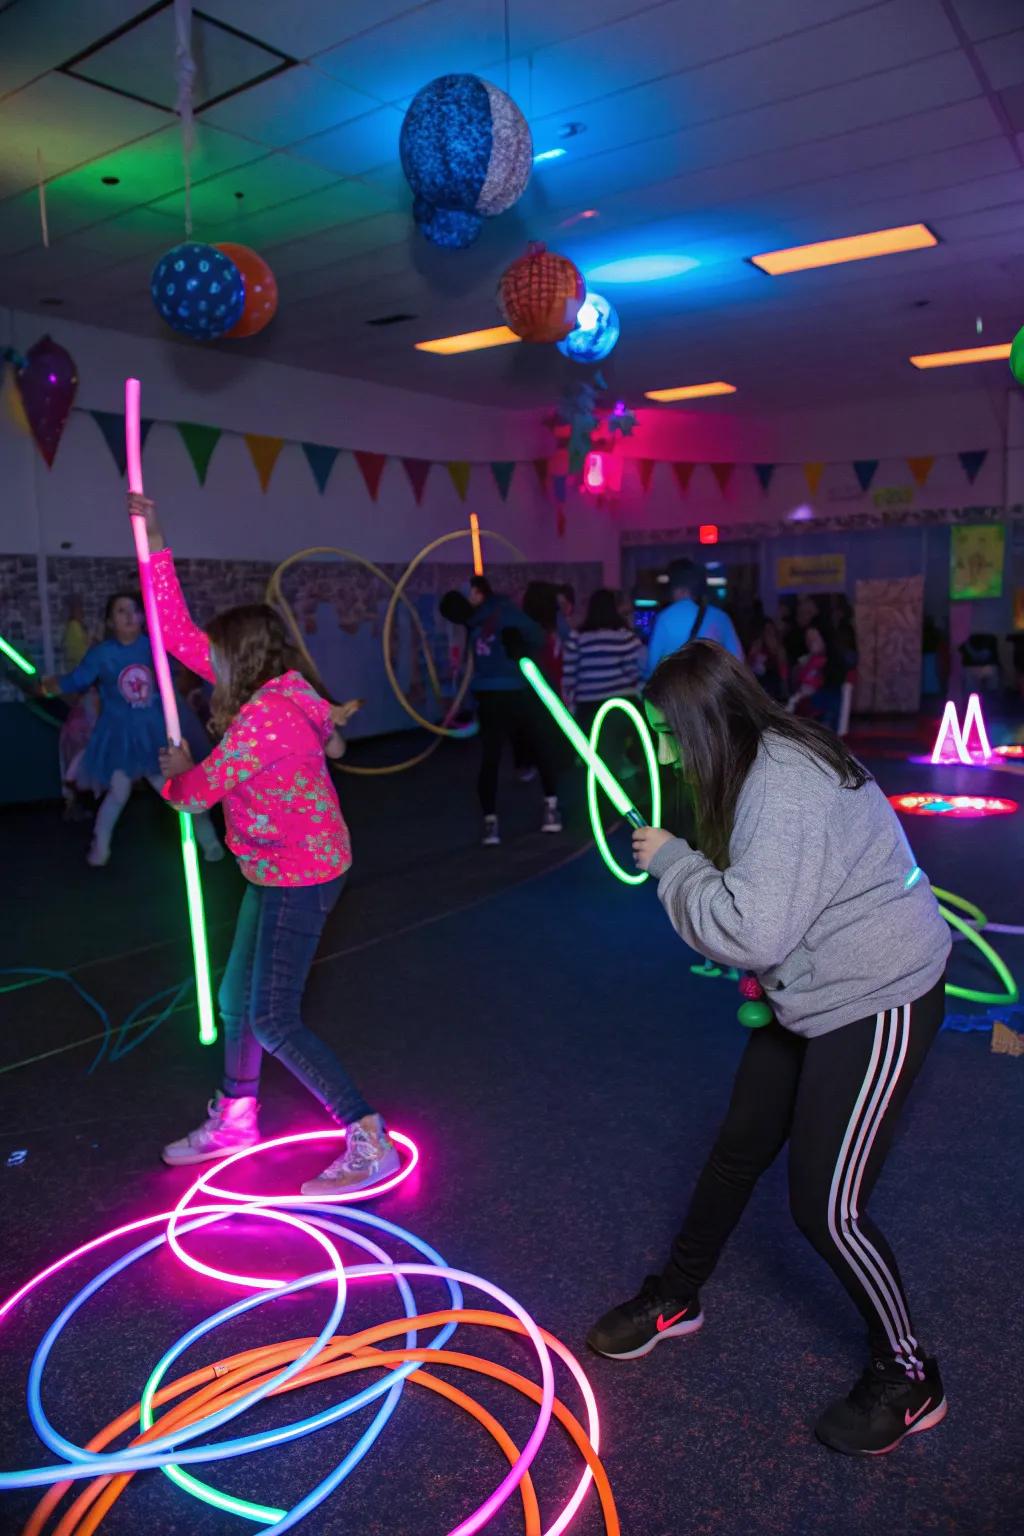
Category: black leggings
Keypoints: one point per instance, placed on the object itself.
(836, 1099)
(504, 713)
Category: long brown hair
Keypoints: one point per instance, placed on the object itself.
(252, 646)
(719, 713)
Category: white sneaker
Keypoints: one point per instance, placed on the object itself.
(552, 815)
(492, 835)
(230, 1126)
(369, 1156)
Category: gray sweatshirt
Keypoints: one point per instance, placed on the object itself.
(822, 899)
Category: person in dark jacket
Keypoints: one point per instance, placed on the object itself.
(501, 695)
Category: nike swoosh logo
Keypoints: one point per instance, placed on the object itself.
(908, 1418)
(662, 1324)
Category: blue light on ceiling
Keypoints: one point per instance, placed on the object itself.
(549, 154)
(642, 269)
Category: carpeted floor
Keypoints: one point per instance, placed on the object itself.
(536, 1027)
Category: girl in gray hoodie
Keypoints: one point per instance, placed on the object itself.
(803, 876)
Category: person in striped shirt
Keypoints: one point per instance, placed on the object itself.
(603, 659)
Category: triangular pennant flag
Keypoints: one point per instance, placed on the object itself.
(812, 474)
(371, 467)
(541, 470)
(645, 469)
(764, 473)
(460, 471)
(971, 462)
(865, 470)
(503, 473)
(921, 468)
(200, 442)
(723, 474)
(321, 459)
(111, 424)
(683, 474)
(417, 471)
(264, 452)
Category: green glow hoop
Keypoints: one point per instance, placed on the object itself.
(633, 714)
(971, 994)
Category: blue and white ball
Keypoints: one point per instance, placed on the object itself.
(198, 290)
(595, 333)
(465, 148)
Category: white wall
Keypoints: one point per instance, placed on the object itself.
(77, 506)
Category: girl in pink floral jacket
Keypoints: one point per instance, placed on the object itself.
(285, 828)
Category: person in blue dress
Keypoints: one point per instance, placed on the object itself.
(126, 740)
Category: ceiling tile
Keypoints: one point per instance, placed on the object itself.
(221, 202)
(987, 18)
(340, 203)
(358, 146)
(394, 59)
(39, 36)
(305, 27)
(291, 106)
(70, 123)
(1003, 58)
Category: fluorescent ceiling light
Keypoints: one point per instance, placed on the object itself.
(549, 154)
(642, 269)
(691, 391)
(830, 253)
(991, 354)
(469, 341)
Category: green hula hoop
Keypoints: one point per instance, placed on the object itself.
(971, 994)
(633, 714)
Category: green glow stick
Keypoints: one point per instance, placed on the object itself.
(607, 780)
(197, 930)
(15, 655)
(633, 714)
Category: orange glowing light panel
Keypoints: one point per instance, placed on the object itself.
(831, 253)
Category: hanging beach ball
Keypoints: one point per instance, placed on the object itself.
(540, 295)
(595, 333)
(465, 148)
(260, 290)
(1017, 356)
(446, 227)
(198, 290)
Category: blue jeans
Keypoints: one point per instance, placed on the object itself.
(276, 938)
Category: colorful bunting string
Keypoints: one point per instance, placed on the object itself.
(684, 474)
(200, 442)
(111, 424)
(921, 468)
(503, 472)
(764, 473)
(865, 470)
(645, 469)
(723, 474)
(812, 474)
(971, 462)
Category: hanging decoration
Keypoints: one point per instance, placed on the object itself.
(971, 462)
(467, 153)
(595, 333)
(684, 474)
(812, 474)
(503, 472)
(47, 383)
(417, 471)
(111, 424)
(540, 294)
(764, 473)
(722, 474)
(921, 468)
(260, 304)
(198, 290)
(1017, 356)
(371, 467)
(200, 442)
(185, 75)
(865, 470)
(459, 471)
(320, 457)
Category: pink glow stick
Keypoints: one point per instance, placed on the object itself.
(133, 447)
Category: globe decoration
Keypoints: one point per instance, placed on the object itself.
(260, 290)
(198, 290)
(595, 333)
(465, 149)
(540, 295)
(1017, 356)
(446, 227)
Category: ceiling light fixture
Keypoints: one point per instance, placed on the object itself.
(690, 391)
(469, 341)
(831, 253)
(992, 354)
(549, 154)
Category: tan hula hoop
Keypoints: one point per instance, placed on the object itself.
(276, 596)
(398, 595)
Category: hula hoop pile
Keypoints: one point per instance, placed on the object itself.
(170, 1426)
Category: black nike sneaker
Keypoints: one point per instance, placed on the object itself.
(883, 1408)
(632, 1330)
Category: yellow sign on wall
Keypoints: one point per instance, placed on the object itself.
(976, 556)
(810, 573)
